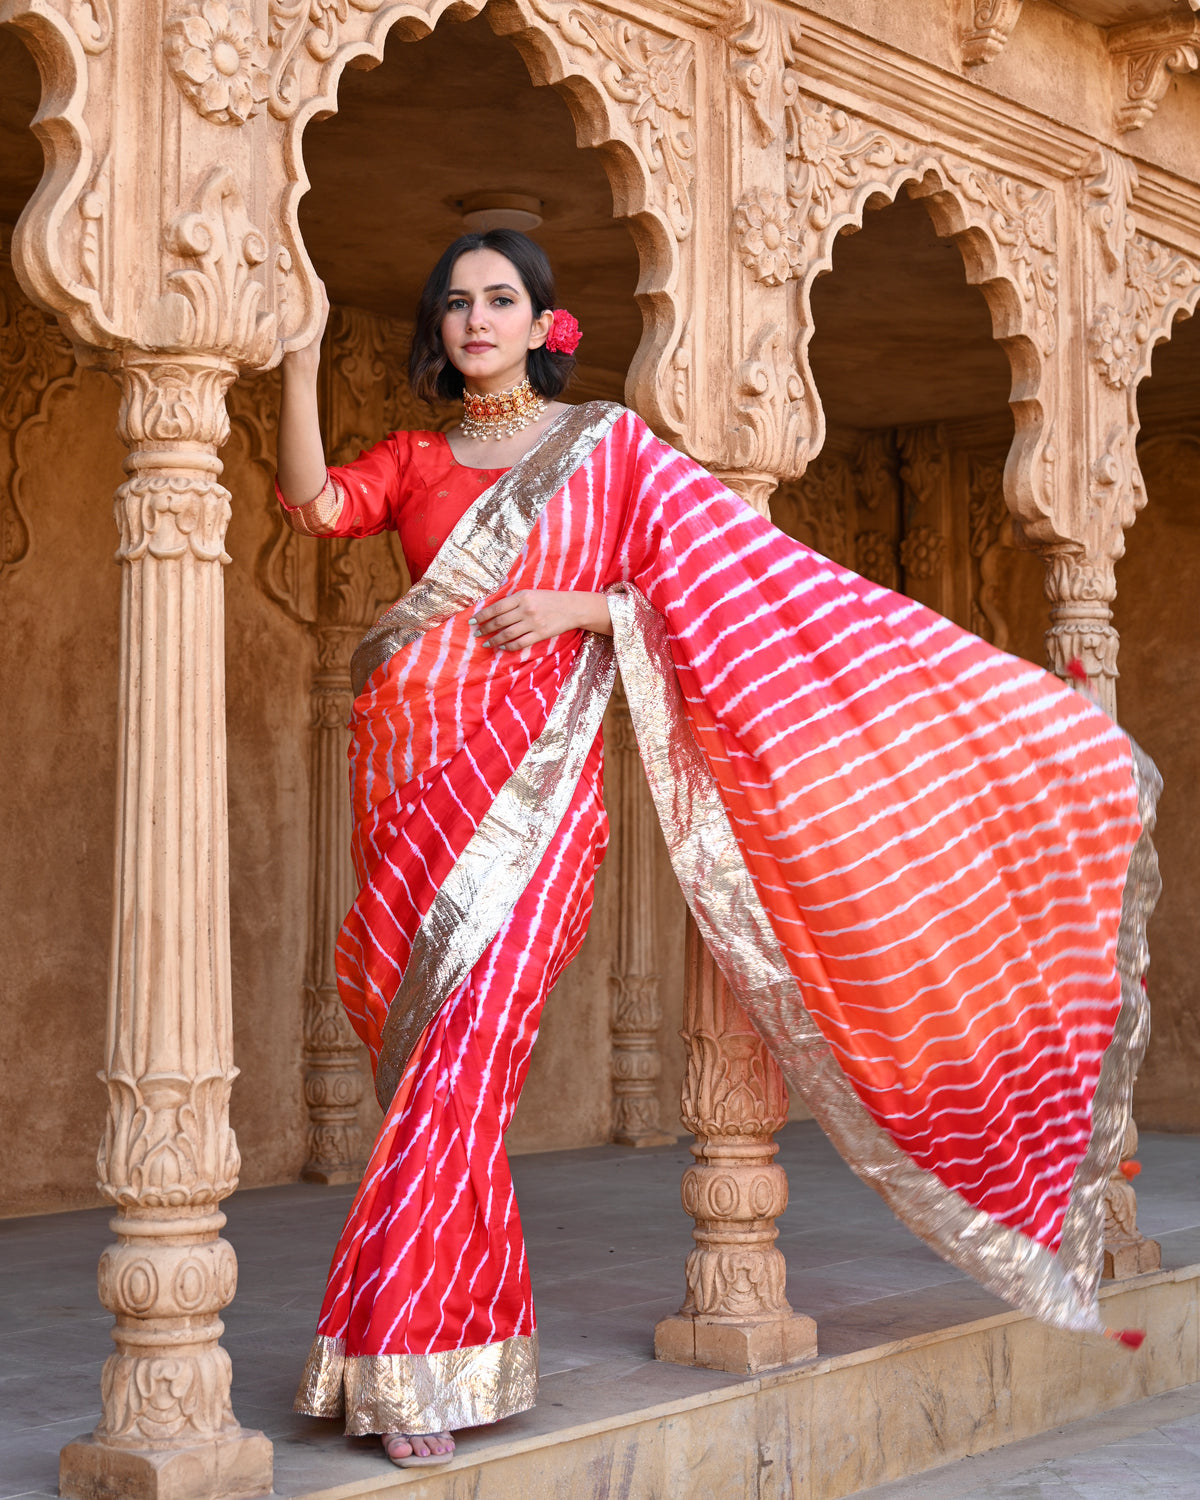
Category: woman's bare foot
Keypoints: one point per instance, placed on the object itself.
(397, 1446)
(412, 1450)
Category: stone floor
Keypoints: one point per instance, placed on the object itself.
(607, 1241)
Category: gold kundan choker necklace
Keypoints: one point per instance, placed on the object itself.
(501, 415)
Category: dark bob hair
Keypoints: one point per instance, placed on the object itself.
(431, 376)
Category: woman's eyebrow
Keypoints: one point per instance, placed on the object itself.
(501, 286)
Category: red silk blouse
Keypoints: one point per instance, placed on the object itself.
(409, 483)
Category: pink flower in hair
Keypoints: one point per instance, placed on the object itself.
(564, 334)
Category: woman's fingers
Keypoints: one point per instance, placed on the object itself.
(515, 637)
(500, 622)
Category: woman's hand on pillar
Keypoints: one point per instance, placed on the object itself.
(301, 454)
(531, 615)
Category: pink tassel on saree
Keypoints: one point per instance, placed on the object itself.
(923, 866)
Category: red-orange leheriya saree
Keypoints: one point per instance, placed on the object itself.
(923, 865)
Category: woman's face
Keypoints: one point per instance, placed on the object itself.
(489, 325)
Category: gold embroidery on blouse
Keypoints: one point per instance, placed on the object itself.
(320, 515)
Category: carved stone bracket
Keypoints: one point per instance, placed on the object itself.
(215, 302)
(988, 27)
(634, 982)
(735, 1315)
(1134, 288)
(1145, 55)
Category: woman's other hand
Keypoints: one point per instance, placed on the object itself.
(531, 615)
(307, 359)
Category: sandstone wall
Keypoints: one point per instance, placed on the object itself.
(58, 687)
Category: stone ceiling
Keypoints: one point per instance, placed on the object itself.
(1115, 12)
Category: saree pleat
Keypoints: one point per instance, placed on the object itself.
(912, 855)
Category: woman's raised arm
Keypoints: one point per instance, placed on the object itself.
(301, 457)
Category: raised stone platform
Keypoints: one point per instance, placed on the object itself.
(917, 1366)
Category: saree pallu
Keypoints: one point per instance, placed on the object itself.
(923, 866)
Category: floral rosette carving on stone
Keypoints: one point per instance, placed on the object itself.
(219, 61)
(1116, 346)
(875, 558)
(768, 236)
(922, 551)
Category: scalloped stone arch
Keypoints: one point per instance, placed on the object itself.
(1175, 310)
(555, 51)
(959, 199)
(61, 128)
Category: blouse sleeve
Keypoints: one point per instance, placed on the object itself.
(358, 498)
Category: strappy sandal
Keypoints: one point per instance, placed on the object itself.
(412, 1459)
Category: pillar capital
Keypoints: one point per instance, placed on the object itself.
(754, 487)
(1081, 589)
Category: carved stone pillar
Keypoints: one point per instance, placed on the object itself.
(334, 1083)
(168, 1156)
(735, 1315)
(1081, 591)
(636, 1015)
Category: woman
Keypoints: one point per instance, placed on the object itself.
(907, 850)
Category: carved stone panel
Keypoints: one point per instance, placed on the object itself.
(35, 361)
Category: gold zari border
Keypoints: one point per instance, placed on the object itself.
(1058, 1289)
(318, 516)
(441, 1392)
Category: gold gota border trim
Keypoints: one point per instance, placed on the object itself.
(318, 516)
(476, 897)
(441, 1392)
(476, 557)
(1081, 1250)
(1060, 1290)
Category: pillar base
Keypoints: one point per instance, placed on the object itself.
(333, 1176)
(740, 1348)
(238, 1464)
(1131, 1258)
(644, 1138)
